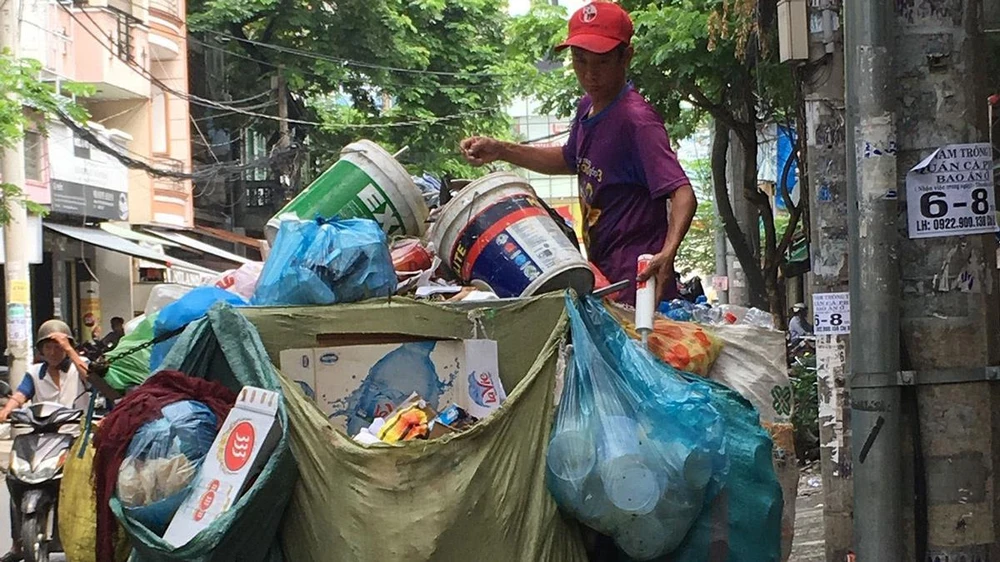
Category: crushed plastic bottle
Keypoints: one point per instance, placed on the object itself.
(758, 318)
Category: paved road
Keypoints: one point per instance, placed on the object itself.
(808, 545)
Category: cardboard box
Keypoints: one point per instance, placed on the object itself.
(357, 383)
(239, 453)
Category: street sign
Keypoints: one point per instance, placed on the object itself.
(832, 313)
(951, 192)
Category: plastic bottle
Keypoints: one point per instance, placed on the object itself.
(758, 318)
(571, 455)
(630, 484)
(645, 299)
(642, 537)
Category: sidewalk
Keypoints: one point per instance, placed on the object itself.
(809, 545)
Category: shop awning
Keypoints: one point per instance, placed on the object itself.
(199, 246)
(140, 237)
(108, 241)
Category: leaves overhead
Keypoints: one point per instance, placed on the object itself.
(420, 73)
(21, 76)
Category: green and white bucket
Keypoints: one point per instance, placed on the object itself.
(367, 182)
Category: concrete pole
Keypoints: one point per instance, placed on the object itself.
(721, 247)
(939, 81)
(17, 282)
(826, 155)
(874, 281)
(746, 218)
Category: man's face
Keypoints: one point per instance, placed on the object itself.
(601, 75)
(52, 353)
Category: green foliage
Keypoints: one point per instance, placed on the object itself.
(417, 73)
(697, 253)
(805, 415)
(19, 80)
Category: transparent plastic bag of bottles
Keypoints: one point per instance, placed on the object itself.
(635, 446)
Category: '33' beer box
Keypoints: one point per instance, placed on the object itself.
(238, 454)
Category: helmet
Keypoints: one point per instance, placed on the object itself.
(798, 306)
(50, 327)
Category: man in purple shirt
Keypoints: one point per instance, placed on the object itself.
(619, 149)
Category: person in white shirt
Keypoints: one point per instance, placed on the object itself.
(61, 377)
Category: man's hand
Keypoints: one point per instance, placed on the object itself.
(480, 151)
(61, 339)
(662, 268)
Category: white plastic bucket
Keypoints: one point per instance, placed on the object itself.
(496, 234)
(367, 182)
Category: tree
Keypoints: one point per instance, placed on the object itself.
(21, 78)
(421, 73)
(698, 251)
(717, 58)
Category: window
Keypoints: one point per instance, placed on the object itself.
(124, 47)
(161, 126)
(259, 196)
(254, 150)
(33, 152)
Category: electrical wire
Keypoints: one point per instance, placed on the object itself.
(358, 81)
(355, 63)
(196, 100)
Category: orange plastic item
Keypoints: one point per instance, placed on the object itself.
(600, 281)
(683, 345)
(410, 256)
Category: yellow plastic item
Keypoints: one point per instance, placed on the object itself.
(683, 345)
(77, 506)
(405, 424)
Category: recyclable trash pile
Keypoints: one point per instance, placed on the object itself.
(725, 314)
(634, 446)
(640, 449)
(162, 460)
(188, 461)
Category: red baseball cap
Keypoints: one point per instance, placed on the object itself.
(599, 27)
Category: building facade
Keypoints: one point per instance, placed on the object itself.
(93, 261)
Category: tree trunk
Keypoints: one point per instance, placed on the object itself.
(744, 253)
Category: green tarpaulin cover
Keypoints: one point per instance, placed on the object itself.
(479, 496)
(224, 347)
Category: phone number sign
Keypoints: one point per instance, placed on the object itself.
(832, 313)
(951, 193)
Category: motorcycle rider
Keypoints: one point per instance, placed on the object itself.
(60, 377)
(798, 325)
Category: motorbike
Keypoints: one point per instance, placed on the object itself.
(43, 436)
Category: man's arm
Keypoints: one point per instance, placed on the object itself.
(542, 159)
(683, 205)
(25, 391)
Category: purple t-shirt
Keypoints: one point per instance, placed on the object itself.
(627, 170)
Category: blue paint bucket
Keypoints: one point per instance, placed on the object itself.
(495, 234)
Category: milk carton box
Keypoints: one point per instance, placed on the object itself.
(357, 383)
(239, 452)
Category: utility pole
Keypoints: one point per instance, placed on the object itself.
(746, 218)
(826, 154)
(721, 247)
(17, 280)
(874, 281)
(949, 313)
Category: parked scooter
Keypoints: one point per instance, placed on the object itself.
(36, 469)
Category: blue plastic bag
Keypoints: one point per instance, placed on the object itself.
(326, 262)
(162, 460)
(182, 312)
(637, 449)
